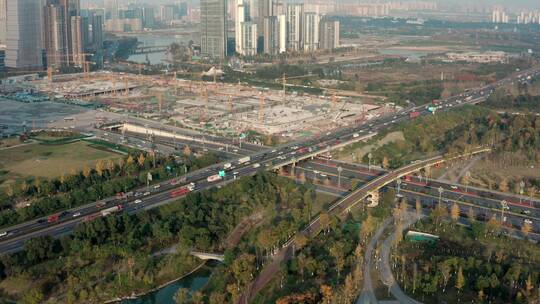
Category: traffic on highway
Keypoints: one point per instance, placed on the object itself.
(13, 238)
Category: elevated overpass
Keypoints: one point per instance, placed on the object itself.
(207, 256)
(375, 185)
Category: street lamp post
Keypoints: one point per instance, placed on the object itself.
(468, 175)
(339, 170)
(521, 187)
(441, 190)
(398, 185)
(504, 206)
(370, 156)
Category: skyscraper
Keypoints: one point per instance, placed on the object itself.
(77, 42)
(23, 37)
(295, 14)
(65, 47)
(111, 7)
(329, 35)
(271, 35)
(53, 35)
(266, 9)
(72, 9)
(310, 32)
(3, 19)
(282, 40)
(249, 39)
(214, 28)
(242, 15)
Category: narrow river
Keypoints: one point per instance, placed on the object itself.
(193, 282)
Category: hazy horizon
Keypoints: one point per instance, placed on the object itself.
(523, 4)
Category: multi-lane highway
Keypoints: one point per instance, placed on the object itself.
(13, 238)
(485, 203)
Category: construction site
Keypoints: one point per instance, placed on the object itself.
(210, 106)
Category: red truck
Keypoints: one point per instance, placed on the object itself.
(53, 218)
(180, 192)
(414, 114)
(91, 217)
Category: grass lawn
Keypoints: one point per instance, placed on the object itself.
(48, 161)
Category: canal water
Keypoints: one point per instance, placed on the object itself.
(160, 40)
(193, 282)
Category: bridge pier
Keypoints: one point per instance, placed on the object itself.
(373, 197)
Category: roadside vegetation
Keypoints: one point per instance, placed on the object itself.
(35, 196)
(476, 264)
(113, 256)
(328, 267)
(458, 131)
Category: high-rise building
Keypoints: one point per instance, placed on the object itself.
(92, 30)
(167, 13)
(329, 34)
(23, 37)
(2, 59)
(499, 15)
(149, 19)
(54, 41)
(310, 32)
(271, 35)
(94, 40)
(295, 13)
(242, 15)
(112, 9)
(214, 28)
(64, 48)
(72, 9)
(182, 9)
(282, 40)
(266, 9)
(3, 21)
(249, 39)
(77, 42)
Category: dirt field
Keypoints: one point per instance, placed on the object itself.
(47, 161)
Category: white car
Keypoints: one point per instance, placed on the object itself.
(527, 221)
(77, 214)
(137, 201)
(3, 233)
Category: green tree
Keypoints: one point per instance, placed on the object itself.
(181, 296)
(34, 296)
(243, 268)
(460, 279)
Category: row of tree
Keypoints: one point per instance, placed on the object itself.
(91, 184)
(113, 256)
(474, 267)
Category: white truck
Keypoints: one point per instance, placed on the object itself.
(244, 160)
(214, 178)
(227, 166)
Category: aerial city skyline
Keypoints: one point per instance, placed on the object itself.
(269, 151)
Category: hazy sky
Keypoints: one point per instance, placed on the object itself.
(532, 4)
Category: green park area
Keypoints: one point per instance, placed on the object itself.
(48, 160)
(476, 264)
